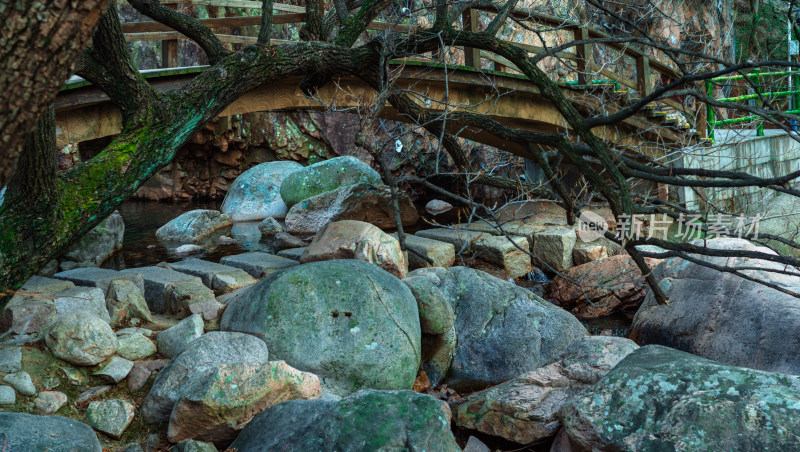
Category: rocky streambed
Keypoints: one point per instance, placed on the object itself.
(310, 329)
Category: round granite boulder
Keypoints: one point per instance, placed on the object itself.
(255, 194)
(351, 323)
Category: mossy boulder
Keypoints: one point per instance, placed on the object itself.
(351, 323)
(193, 226)
(367, 420)
(326, 176)
(502, 329)
(661, 399)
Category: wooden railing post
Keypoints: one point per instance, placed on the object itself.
(472, 57)
(169, 50)
(583, 54)
(643, 75)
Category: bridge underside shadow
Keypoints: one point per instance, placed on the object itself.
(85, 112)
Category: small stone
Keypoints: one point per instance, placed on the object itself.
(476, 445)
(75, 376)
(183, 295)
(258, 264)
(114, 370)
(270, 227)
(191, 445)
(437, 207)
(135, 346)
(141, 372)
(225, 240)
(188, 249)
(172, 341)
(124, 302)
(10, 359)
(7, 395)
(91, 394)
(284, 241)
(553, 248)
(49, 401)
(111, 416)
(193, 225)
(221, 278)
(22, 382)
(81, 338)
(292, 253)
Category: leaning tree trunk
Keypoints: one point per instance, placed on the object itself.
(41, 43)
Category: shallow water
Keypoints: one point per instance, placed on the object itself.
(141, 248)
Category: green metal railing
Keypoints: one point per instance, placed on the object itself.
(756, 77)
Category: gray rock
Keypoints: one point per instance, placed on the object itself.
(114, 370)
(218, 403)
(135, 346)
(49, 401)
(189, 249)
(585, 252)
(191, 445)
(524, 409)
(10, 358)
(258, 264)
(124, 302)
(435, 313)
(111, 417)
(724, 317)
(97, 245)
(365, 421)
(269, 227)
(32, 433)
(437, 354)
(475, 445)
(347, 321)
(35, 312)
(90, 395)
(292, 253)
(193, 225)
(502, 330)
(22, 382)
(438, 207)
(157, 282)
(659, 398)
(141, 372)
(285, 240)
(39, 284)
(88, 299)
(191, 297)
(255, 194)
(326, 176)
(7, 396)
(81, 338)
(99, 277)
(553, 248)
(441, 253)
(361, 202)
(208, 351)
(218, 277)
(174, 340)
(510, 254)
(462, 240)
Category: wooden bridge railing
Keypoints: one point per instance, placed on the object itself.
(293, 14)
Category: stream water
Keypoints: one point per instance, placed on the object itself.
(141, 248)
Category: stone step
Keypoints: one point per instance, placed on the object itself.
(159, 283)
(462, 240)
(218, 277)
(442, 253)
(293, 253)
(34, 309)
(99, 277)
(258, 264)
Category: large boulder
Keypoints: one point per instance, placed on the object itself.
(362, 202)
(97, 245)
(193, 225)
(722, 316)
(31, 433)
(255, 194)
(326, 176)
(659, 398)
(357, 240)
(351, 323)
(365, 421)
(524, 409)
(502, 329)
(598, 288)
(34, 311)
(206, 352)
(81, 338)
(219, 403)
